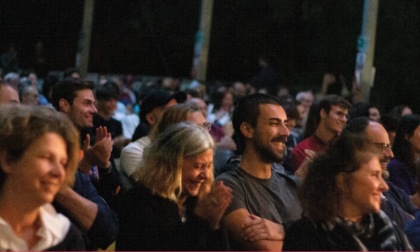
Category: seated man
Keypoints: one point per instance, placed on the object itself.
(82, 204)
(331, 117)
(264, 198)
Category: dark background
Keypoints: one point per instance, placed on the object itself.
(304, 38)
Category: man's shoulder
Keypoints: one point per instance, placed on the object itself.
(303, 144)
(232, 174)
(137, 145)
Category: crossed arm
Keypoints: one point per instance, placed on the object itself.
(253, 232)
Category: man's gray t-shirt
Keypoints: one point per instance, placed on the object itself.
(274, 199)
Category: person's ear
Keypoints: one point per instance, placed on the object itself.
(64, 105)
(246, 130)
(323, 113)
(4, 164)
(150, 118)
(342, 182)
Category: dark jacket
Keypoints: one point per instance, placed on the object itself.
(150, 222)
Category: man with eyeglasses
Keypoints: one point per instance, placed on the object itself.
(327, 121)
(395, 202)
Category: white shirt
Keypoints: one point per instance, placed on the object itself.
(53, 230)
(132, 155)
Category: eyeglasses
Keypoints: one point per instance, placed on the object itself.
(207, 126)
(384, 146)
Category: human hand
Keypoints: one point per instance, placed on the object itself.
(100, 153)
(212, 205)
(302, 171)
(256, 228)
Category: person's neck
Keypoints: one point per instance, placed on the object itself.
(349, 212)
(253, 165)
(18, 214)
(323, 133)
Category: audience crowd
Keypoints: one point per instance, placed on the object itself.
(125, 163)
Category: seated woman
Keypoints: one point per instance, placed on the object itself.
(174, 205)
(39, 152)
(341, 200)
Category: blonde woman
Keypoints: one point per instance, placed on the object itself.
(174, 205)
(39, 151)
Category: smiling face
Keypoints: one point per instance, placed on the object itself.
(361, 192)
(336, 119)
(107, 107)
(195, 171)
(377, 135)
(83, 108)
(38, 175)
(270, 134)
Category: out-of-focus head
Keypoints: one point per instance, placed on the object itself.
(407, 139)
(107, 97)
(201, 104)
(306, 98)
(8, 94)
(239, 89)
(401, 110)
(22, 126)
(293, 115)
(72, 72)
(155, 103)
(12, 79)
(166, 165)
(183, 112)
(28, 94)
(390, 123)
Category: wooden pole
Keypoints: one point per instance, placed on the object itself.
(365, 71)
(82, 58)
(204, 34)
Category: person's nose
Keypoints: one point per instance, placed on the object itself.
(383, 186)
(284, 130)
(388, 152)
(58, 170)
(93, 109)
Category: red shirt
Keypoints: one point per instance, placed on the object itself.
(312, 143)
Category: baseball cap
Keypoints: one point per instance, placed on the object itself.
(157, 98)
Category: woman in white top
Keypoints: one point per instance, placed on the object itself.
(39, 151)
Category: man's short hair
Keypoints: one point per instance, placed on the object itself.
(67, 89)
(333, 100)
(157, 98)
(357, 125)
(108, 91)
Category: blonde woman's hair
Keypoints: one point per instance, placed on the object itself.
(175, 114)
(161, 168)
(21, 125)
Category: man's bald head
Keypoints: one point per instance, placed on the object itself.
(376, 134)
(8, 94)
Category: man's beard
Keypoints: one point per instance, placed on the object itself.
(384, 164)
(266, 154)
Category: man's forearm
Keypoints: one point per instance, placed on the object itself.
(81, 210)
